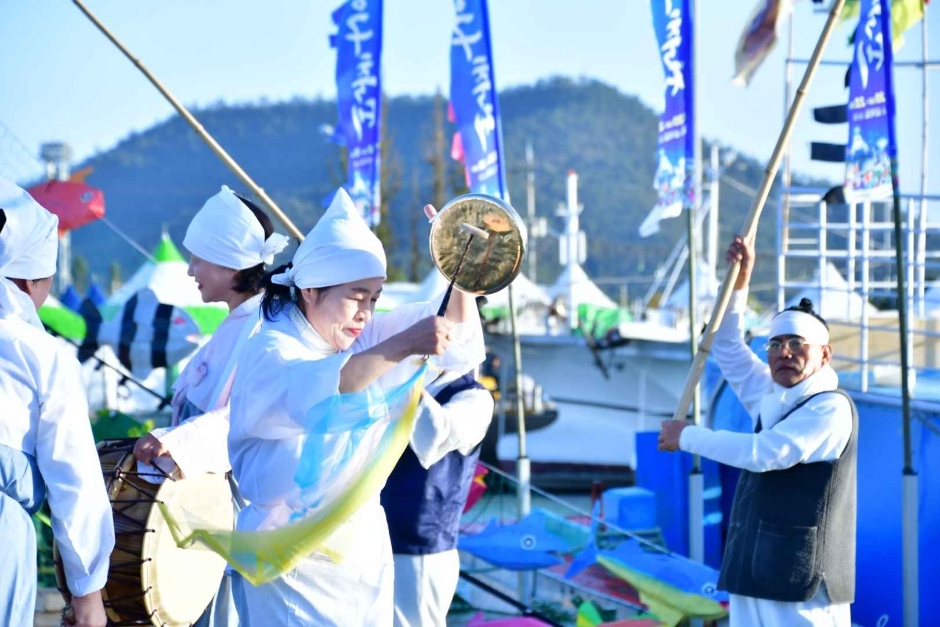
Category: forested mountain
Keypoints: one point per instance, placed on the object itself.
(159, 178)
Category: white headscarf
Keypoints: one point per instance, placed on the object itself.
(340, 249)
(225, 232)
(29, 247)
(29, 242)
(802, 324)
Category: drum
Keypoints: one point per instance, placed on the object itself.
(151, 581)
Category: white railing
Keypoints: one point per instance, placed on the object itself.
(845, 254)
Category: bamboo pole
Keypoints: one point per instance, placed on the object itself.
(750, 224)
(197, 126)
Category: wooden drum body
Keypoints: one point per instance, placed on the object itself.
(151, 581)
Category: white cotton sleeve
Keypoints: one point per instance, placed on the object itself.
(465, 352)
(68, 460)
(200, 444)
(818, 431)
(458, 425)
(275, 386)
(748, 376)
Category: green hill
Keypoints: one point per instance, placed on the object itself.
(161, 177)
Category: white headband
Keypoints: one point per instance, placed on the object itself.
(799, 323)
(29, 241)
(341, 248)
(225, 232)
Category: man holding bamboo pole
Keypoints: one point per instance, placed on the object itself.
(790, 553)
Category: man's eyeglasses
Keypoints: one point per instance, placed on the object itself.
(794, 345)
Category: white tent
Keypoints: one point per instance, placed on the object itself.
(831, 296)
(584, 291)
(433, 286)
(706, 287)
(395, 294)
(524, 292)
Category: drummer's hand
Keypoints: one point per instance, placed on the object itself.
(88, 611)
(148, 447)
(430, 211)
(670, 433)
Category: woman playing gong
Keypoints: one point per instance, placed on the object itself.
(320, 337)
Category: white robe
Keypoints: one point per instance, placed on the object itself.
(45, 414)
(425, 584)
(286, 369)
(818, 431)
(200, 444)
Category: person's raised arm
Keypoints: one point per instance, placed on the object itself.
(428, 336)
(748, 376)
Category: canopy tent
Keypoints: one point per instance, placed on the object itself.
(62, 320)
(706, 288)
(433, 285)
(395, 294)
(169, 280)
(526, 294)
(831, 296)
(584, 290)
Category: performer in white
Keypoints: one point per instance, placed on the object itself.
(425, 496)
(790, 553)
(46, 446)
(230, 240)
(319, 338)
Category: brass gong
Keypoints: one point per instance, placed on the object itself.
(491, 263)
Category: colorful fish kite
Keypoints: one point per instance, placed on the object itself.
(533, 542)
(673, 587)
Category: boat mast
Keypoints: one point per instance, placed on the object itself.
(530, 209)
(572, 244)
(696, 478)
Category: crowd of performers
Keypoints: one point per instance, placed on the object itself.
(305, 332)
(295, 336)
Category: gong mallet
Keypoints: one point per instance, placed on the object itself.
(750, 225)
(474, 231)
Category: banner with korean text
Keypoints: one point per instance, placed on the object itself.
(675, 158)
(474, 104)
(358, 44)
(872, 147)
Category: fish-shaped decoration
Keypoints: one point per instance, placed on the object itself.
(534, 542)
(145, 334)
(673, 586)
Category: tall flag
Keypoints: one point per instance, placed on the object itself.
(358, 44)
(904, 14)
(473, 101)
(759, 38)
(872, 147)
(675, 179)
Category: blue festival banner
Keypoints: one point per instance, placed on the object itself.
(358, 44)
(872, 146)
(674, 180)
(473, 101)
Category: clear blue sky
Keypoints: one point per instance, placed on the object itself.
(63, 80)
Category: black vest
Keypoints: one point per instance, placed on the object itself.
(423, 506)
(793, 529)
